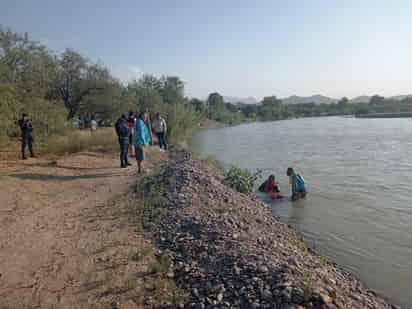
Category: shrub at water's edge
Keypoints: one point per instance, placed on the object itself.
(242, 180)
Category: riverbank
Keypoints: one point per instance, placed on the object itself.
(225, 249)
(386, 115)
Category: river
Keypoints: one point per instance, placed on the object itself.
(359, 176)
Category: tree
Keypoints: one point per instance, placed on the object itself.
(76, 78)
(343, 101)
(106, 104)
(25, 64)
(215, 105)
(342, 104)
(376, 100)
(270, 108)
(148, 85)
(272, 101)
(150, 91)
(172, 89)
(198, 105)
(150, 102)
(214, 100)
(10, 110)
(231, 107)
(249, 110)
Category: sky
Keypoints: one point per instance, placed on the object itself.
(235, 47)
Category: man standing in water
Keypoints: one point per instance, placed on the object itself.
(141, 139)
(297, 183)
(26, 128)
(159, 127)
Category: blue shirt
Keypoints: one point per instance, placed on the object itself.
(298, 184)
(141, 133)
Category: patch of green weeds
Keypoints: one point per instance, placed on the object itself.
(308, 290)
(161, 265)
(138, 255)
(150, 201)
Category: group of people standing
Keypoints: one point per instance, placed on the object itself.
(297, 183)
(135, 133)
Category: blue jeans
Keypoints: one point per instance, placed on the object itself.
(162, 140)
(124, 148)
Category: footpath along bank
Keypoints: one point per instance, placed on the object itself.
(225, 249)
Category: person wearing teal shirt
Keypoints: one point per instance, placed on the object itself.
(297, 183)
(141, 139)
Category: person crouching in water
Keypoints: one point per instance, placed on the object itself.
(160, 128)
(271, 187)
(123, 131)
(297, 183)
(141, 139)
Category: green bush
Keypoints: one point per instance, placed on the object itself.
(180, 120)
(241, 180)
(9, 111)
(47, 118)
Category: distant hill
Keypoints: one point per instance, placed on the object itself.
(318, 99)
(360, 99)
(234, 100)
(401, 97)
(366, 98)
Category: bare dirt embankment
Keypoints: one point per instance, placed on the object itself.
(66, 240)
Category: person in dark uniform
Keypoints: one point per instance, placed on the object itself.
(123, 133)
(26, 128)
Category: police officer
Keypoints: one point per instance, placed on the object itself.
(26, 128)
(123, 132)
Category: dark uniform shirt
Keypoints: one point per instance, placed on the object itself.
(26, 127)
(122, 130)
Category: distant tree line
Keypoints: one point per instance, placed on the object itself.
(272, 108)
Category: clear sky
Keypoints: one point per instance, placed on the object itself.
(238, 48)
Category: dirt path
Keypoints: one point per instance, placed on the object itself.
(64, 240)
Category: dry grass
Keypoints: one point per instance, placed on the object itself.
(104, 139)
